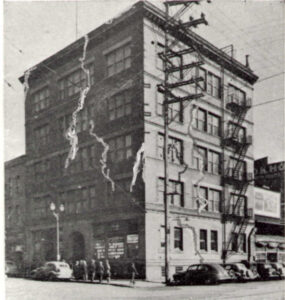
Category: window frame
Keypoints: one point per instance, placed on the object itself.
(178, 239)
(203, 240)
(124, 62)
(214, 240)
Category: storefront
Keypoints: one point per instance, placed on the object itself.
(119, 243)
(270, 248)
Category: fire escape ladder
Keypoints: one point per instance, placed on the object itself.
(238, 176)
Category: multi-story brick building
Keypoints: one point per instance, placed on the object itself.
(15, 209)
(125, 69)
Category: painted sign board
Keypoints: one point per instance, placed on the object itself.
(266, 203)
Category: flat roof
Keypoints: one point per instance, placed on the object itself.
(157, 16)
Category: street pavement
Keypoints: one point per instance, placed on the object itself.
(26, 289)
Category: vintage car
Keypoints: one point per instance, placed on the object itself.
(202, 273)
(280, 269)
(239, 272)
(11, 269)
(266, 271)
(53, 270)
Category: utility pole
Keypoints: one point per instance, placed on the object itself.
(170, 98)
(165, 146)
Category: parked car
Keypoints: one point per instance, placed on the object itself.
(202, 273)
(11, 268)
(266, 271)
(279, 268)
(239, 272)
(53, 270)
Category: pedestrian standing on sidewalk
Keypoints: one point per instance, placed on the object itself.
(134, 272)
(84, 269)
(92, 270)
(101, 271)
(108, 270)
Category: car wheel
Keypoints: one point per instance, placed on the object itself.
(51, 277)
(210, 281)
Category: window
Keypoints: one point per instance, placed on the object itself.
(42, 135)
(203, 84)
(41, 170)
(212, 196)
(92, 195)
(178, 238)
(236, 132)
(213, 162)
(234, 242)
(236, 95)
(82, 120)
(203, 240)
(162, 271)
(118, 60)
(237, 169)
(242, 242)
(213, 85)
(237, 205)
(201, 120)
(41, 99)
(162, 236)
(63, 124)
(175, 192)
(214, 200)
(175, 149)
(213, 124)
(175, 110)
(207, 122)
(200, 158)
(120, 105)
(17, 184)
(121, 148)
(201, 193)
(72, 83)
(214, 240)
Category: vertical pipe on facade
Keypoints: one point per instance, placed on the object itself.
(223, 206)
(165, 146)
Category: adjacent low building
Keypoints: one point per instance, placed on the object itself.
(269, 235)
(15, 210)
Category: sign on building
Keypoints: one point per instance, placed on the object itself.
(267, 203)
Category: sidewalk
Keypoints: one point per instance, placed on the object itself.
(139, 283)
(126, 283)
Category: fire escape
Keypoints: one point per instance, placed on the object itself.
(235, 174)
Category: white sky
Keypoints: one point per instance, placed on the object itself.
(41, 28)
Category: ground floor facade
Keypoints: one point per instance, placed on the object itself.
(139, 237)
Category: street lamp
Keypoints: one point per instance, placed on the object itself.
(56, 215)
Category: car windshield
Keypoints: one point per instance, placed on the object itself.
(241, 266)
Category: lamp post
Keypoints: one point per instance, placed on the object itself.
(56, 215)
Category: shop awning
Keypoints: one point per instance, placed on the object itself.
(261, 244)
(270, 241)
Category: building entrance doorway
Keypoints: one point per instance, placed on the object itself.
(78, 246)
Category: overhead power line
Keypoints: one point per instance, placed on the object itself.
(274, 75)
(269, 101)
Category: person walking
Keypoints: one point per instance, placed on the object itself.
(101, 271)
(108, 270)
(134, 272)
(92, 270)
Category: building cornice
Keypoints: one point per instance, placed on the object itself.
(206, 48)
(157, 16)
